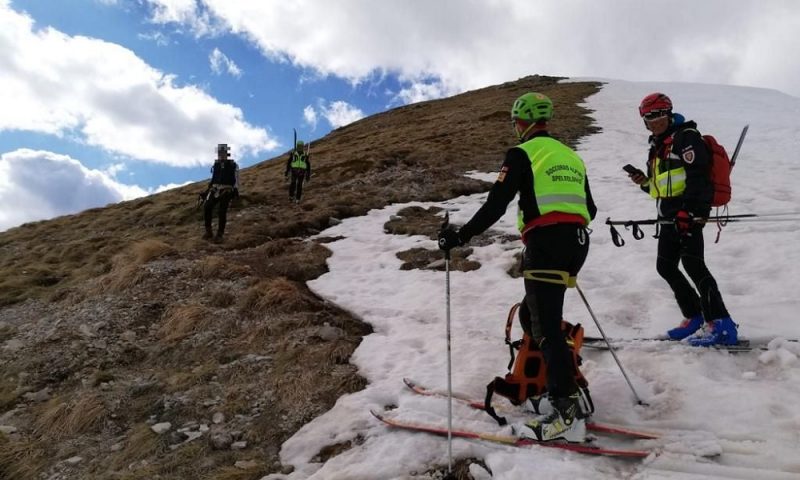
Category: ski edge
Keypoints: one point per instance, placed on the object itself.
(510, 440)
(591, 426)
(598, 343)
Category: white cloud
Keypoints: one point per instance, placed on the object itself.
(188, 12)
(114, 169)
(43, 185)
(421, 91)
(340, 113)
(466, 45)
(158, 37)
(220, 62)
(102, 94)
(310, 117)
(170, 186)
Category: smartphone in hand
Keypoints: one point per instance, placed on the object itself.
(632, 170)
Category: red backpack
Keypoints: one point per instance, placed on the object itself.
(720, 172)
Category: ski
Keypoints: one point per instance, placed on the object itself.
(511, 440)
(597, 343)
(479, 405)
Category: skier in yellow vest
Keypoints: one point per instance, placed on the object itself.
(677, 177)
(555, 206)
(298, 165)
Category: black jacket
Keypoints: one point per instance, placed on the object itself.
(515, 177)
(225, 173)
(681, 145)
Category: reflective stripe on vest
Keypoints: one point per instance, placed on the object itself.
(559, 176)
(671, 183)
(298, 160)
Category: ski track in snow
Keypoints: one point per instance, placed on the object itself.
(742, 406)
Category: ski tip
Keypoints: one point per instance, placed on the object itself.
(376, 415)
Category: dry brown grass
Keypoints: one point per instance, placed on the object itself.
(22, 460)
(59, 418)
(233, 473)
(125, 271)
(9, 393)
(181, 380)
(292, 258)
(150, 249)
(221, 298)
(6, 332)
(215, 266)
(181, 463)
(210, 266)
(180, 321)
(273, 294)
(141, 443)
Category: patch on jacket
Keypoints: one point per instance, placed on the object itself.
(502, 175)
(688, 155)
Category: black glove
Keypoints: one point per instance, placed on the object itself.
(203, 195)
(235, 193)
(449, 239)
(684, 221)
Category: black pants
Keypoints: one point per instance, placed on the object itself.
(222, 198)
(296, 184)
(554, 247)
(688, 250)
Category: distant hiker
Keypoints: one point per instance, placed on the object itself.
(223, 187)
(299, 166)
(678, 179)
(555, 206)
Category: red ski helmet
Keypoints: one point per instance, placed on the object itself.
(654, 103)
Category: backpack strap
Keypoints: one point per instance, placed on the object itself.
(487, 403)
(509, 324)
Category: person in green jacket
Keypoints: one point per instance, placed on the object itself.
(555, 207)
(298, 165)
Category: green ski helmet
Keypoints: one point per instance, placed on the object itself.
(532, 107)
(299, 145)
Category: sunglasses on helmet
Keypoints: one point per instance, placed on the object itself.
(655, 114)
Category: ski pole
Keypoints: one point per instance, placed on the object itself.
(662, 221)
(610, 348)
(723, 219)
(449, 376)
(738, 146)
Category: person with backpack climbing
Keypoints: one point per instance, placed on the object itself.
(678, 177)
(223, 187)
(555, 207)
(298, 165)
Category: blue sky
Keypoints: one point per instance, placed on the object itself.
(127, 97)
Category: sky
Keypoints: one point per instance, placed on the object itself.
(742, 405)
(124, 98)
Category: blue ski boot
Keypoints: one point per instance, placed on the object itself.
(687, 327)
(721, 331)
